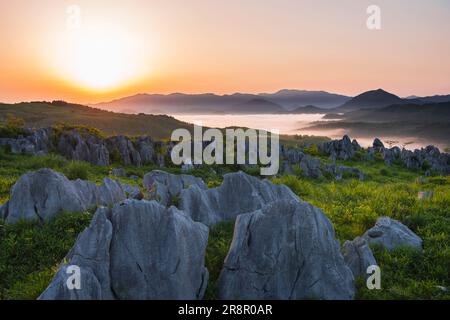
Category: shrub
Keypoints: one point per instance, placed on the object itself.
(312, 150)
(77, 170)
(12, 127)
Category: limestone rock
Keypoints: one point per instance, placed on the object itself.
(165, 187)
(358, 256)
(391, 234)
(239, 193)
(41, 195)
(137, 250)
(286, 250)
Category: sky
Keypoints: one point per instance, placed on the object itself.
(90, 51)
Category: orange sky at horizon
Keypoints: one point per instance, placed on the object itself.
(122, 48)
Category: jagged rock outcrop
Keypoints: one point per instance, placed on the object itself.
(358, 256)
(429, 158)
(136, 250)
(35, 142)
(81, 145)
(122, 149)
(42, 194)
(315, 168)
(377, 145)
(239, 193)
(285, 250)
(391, 234)
(166, 187)
(145, 147)
(343, 149)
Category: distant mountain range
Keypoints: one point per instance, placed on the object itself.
(238, 103)
(283, 101)
(429, 112)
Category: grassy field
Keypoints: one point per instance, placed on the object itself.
(39, 114)
(30, 252)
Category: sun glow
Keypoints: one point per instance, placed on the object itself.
(99, 59)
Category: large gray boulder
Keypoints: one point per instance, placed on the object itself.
(286, 250)
(137, 250)
(166, 187)
(239, 193)
(358, 256)
(391, 234)
(42, 194)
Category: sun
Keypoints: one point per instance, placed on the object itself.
(100, 62)
(99, 59)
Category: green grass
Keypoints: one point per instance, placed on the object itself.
(30, 253)
(219, 241)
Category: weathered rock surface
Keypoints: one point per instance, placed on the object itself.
(132, 192)
(137, 250)
(343, 149)
(311, 167)
(391, 234)
(42, 194)
(122, 148)
(239, 193)
(358, 256)
(286, 250)
(80, 145)
(36, 142)
(165, 187)
(377, 145)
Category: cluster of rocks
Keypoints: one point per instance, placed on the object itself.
(43, 194)
(343, 149)
(282, 248)
(80, 144)
(428, 158)
(316, 168)
(141, 249)
(34, 142)
(388, 234)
